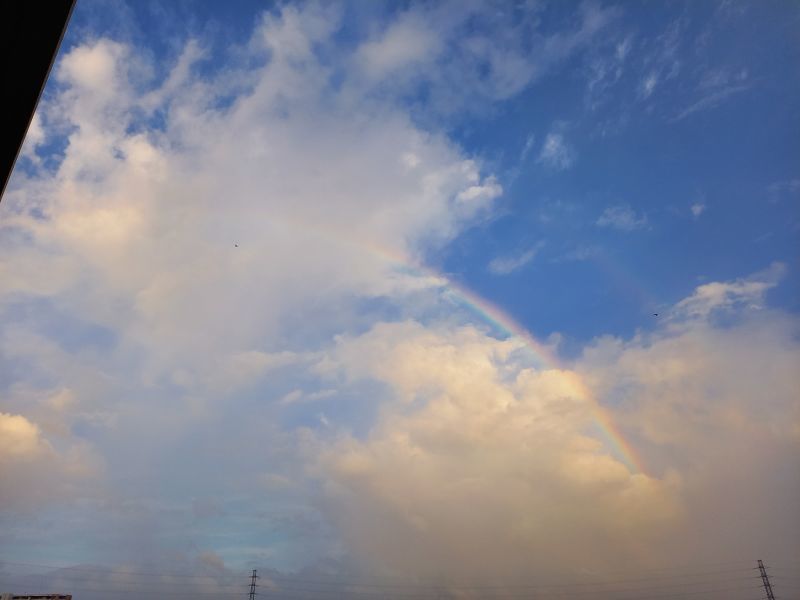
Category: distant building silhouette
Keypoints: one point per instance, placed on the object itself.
(28, 597)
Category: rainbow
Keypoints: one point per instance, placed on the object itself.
(547, 358)
(544, 356)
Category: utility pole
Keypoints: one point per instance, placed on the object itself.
(765, 579)
(253, 585)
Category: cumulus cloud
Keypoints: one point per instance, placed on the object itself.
(480, 461)
(19, 437)
(165, 267)
(149, 222)
(621, 217)
(718, 402)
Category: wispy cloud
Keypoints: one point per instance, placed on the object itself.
(660, 59)
(509, 264)
(748, 292)
(788, 186)
(648, 85)
(621, 217)
(446, 49)
(556, 153)
(710, 101)
(605, 69)
(579, 253)
(526, 149)
(716, 86)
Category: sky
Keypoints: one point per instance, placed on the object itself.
(427, 300)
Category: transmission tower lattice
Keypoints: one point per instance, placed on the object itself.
(765, 579)
(253, 585)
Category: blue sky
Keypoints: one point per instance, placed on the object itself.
(725, 158)
(428, 292)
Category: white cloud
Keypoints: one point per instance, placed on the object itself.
(711, 100)
(34, 137)
(479, 460)
(623, 48)
(33, 472)
(409, 40)
(180, 75)
(605, 70)
(509, 264)
(578, 253)
(451, 50)
(621, 217)
(715, 296)
(721, 403)
(526, 149)
(481, 456)
(168, 271)
(716, 86)
(648, 85)
(94, 68)
(141, 221)
(555, 153)
(697, 209)
(789, 186)
(19, 437)
(660, 59)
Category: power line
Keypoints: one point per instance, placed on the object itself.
(28, 578)
(159, 592)
(361, 582)
(660, 581)
(432, 595)
(673, 584)
(584, 587)
(237, 574)
(112, 570)
(697, 587)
